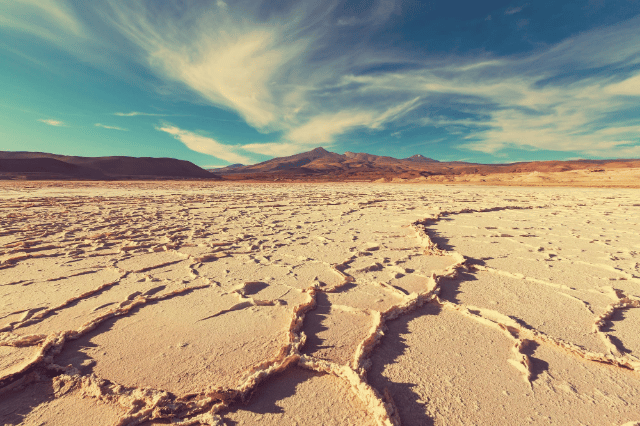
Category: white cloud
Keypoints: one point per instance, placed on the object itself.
(284, 72)
(225, 56)
(72, 26)
(322, 129)
(586, 113)
(51, 122)
(205, 145)
(513, 10)
(275, 149)
(136, 114)
(52, 20)
(104, 126)
(627, 87)
(561, 118)
(620, 152)
(268, 76)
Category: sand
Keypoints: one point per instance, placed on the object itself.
(603, 177)
(193, 303)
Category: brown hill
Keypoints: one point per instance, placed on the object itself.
(226, 168)
(320, 164)
(32, 167)
(421, 158)
(315, 165)
(40, 165)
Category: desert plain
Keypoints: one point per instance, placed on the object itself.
(212, 303)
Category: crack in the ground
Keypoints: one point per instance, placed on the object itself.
(144, 404)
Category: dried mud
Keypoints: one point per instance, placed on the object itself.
(223, 304)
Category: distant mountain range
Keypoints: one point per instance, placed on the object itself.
(322, 161)
(320, 164)
(41, 165)
(315, 165)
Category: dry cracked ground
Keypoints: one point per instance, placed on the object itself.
(355, 304)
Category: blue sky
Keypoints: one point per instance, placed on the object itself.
(221, 82)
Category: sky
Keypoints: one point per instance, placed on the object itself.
(220, 82)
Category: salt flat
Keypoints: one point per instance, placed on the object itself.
(366, 304)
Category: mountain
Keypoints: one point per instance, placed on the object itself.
(421, 159)
(323, 165)
(315, 165)
(50, 166)
(321, 161)
(226, 168)
(308, 161)
(40, 165)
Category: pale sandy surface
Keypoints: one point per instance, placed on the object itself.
(342, 304)
(594, 177)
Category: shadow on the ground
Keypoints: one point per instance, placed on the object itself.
(610, 326)
(270, 392)
(313, 324)
(412, 409)
(16, 406)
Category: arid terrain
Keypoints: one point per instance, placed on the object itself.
(231, 303)
(321, 166)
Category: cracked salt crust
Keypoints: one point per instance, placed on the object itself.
(326, 304)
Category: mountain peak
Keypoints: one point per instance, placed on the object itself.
(315, 153)
(421, 158)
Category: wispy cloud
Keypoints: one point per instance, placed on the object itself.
(275, 149)
(104, 126)
(52, 20)
(322, 129)
(51, 122)
(288, 72)
(278, 82)
(205, 145)
(253, 55)
(137, 113)
(268, 76)
(514, 10)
